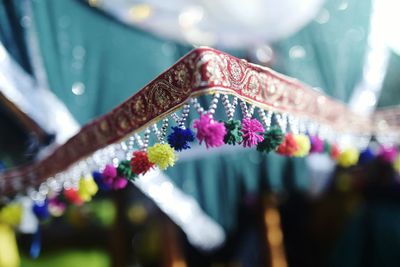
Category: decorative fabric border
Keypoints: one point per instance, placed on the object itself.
(387, 120)
(201, 71)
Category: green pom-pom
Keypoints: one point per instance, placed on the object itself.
(272, 139)
(327, 147)
(124, 169)
(233, 132)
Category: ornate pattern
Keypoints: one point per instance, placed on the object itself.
(202, 71)
(387, 121)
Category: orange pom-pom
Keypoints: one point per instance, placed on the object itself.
(289, 146)
(72, 195)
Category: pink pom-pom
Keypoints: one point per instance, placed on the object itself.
(388, 154)
(209, 131)
(119, 183)
(252, 131)
(317, 144)
(109, 173)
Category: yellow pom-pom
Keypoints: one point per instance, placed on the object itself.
(163, 155)
(304, 145)
(9, 256)
(11, 214)
(348, 157)
(87, 188)
(396, 164)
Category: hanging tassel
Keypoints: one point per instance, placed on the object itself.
(209, 131)
(100, 181)
(234, 134)
(366, 156)
(317, 144)
(252, 131)
(180, 137)
(162, 155)
(140, 163)
(303, 145)
(41, 210)
(72, 196)
(387, 154)
(87, 188)
(348, 157)
(272, 139)
(288, 147)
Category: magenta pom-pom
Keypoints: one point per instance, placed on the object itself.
(317, 144)
(109, 173)
(111, 178)
(119, 183)
(253, 132)
(209, 131)
(388, 153)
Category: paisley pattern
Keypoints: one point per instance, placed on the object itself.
(202, 71)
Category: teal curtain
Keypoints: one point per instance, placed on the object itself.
(12, 33)
(371, 238)
(330, 55)
(112, 61)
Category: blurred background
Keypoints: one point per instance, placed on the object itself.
(66, 62)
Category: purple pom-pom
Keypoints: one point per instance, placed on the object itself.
(179, 139)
